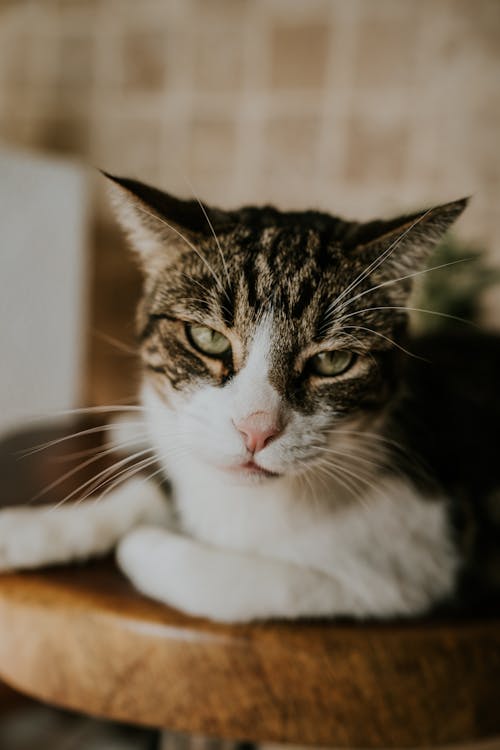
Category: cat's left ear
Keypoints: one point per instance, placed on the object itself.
(400, 248)
(156, 223)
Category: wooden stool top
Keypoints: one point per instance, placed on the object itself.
(80, 637)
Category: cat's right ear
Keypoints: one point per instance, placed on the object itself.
(156, 223)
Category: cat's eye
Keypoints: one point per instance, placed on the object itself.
(208, 341)
(329, 364)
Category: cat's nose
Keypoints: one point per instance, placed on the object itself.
(258, 429)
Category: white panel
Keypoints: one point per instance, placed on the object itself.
(42, 285)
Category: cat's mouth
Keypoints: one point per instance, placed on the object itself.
(250, 468)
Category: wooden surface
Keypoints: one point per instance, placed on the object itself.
(82, 638)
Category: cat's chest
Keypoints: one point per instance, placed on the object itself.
(390, 528)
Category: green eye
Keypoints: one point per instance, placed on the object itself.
(207, 340)
(329, 364)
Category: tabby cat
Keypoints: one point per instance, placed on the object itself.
(320, 461)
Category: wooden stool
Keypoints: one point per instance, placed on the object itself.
(80, 637)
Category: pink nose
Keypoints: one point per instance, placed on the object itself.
(258, 429)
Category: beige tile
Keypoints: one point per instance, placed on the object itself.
(75, 61)
(298, 55)
(290, 146)
(376, 151)
(218, 59)
(129, 146)
(211, 145)
(26, 58)
(223, 9)
(144, 59)
(386, 46)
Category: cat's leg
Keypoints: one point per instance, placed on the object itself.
(34, 537)
(226, 585)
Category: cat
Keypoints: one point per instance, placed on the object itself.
(314, 451)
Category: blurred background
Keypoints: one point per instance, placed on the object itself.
(358, 107)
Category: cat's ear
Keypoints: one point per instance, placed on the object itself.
(400, 248)
(156, 222)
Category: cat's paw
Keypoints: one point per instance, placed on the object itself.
(149, 552)
(165, 566)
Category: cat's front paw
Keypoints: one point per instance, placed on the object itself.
(149, 554)
(170, 568)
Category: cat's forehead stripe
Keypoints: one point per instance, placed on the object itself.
(277, 265)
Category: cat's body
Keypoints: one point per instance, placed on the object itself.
(306, 464)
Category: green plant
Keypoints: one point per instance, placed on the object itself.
(454, 290)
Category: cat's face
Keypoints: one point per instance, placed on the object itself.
(276, 336)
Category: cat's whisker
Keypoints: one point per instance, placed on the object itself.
(376, 263)
(385, 442)
(391, 341)
(118, 447)
(314, 494)
(83, 465)
(107, 470)
(206, 290)
(109, 481)
(123, 476)
(224, 264)
(323, 479)
(364, 433)
(346, 483)
(72, 436)
(390, 282)
(410, 309)
(377, 450)
(116, 343)
(89, 410)
(347, 476)
(352, 456)
(358, 473)
(110, 474)
(188, 243)
(191, 279)
(71, 473)
(146, 478)
(200, 300)
(388, 444)
(380, 463)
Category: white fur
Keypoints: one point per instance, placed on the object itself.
(367, 562)
(32, 537)
(251, 548)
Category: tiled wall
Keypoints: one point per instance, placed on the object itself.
(357, 106)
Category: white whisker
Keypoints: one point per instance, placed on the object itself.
(107, 470)
(125, 474)
(118, 447)
(409, 309)
(73, 435)
(188, 243)
(212, 230)
(109, 482)
(391, 341)
(90, 410)
(403, 278)
(352, 456)
(376, 263)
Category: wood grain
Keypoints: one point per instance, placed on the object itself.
(81, 638)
